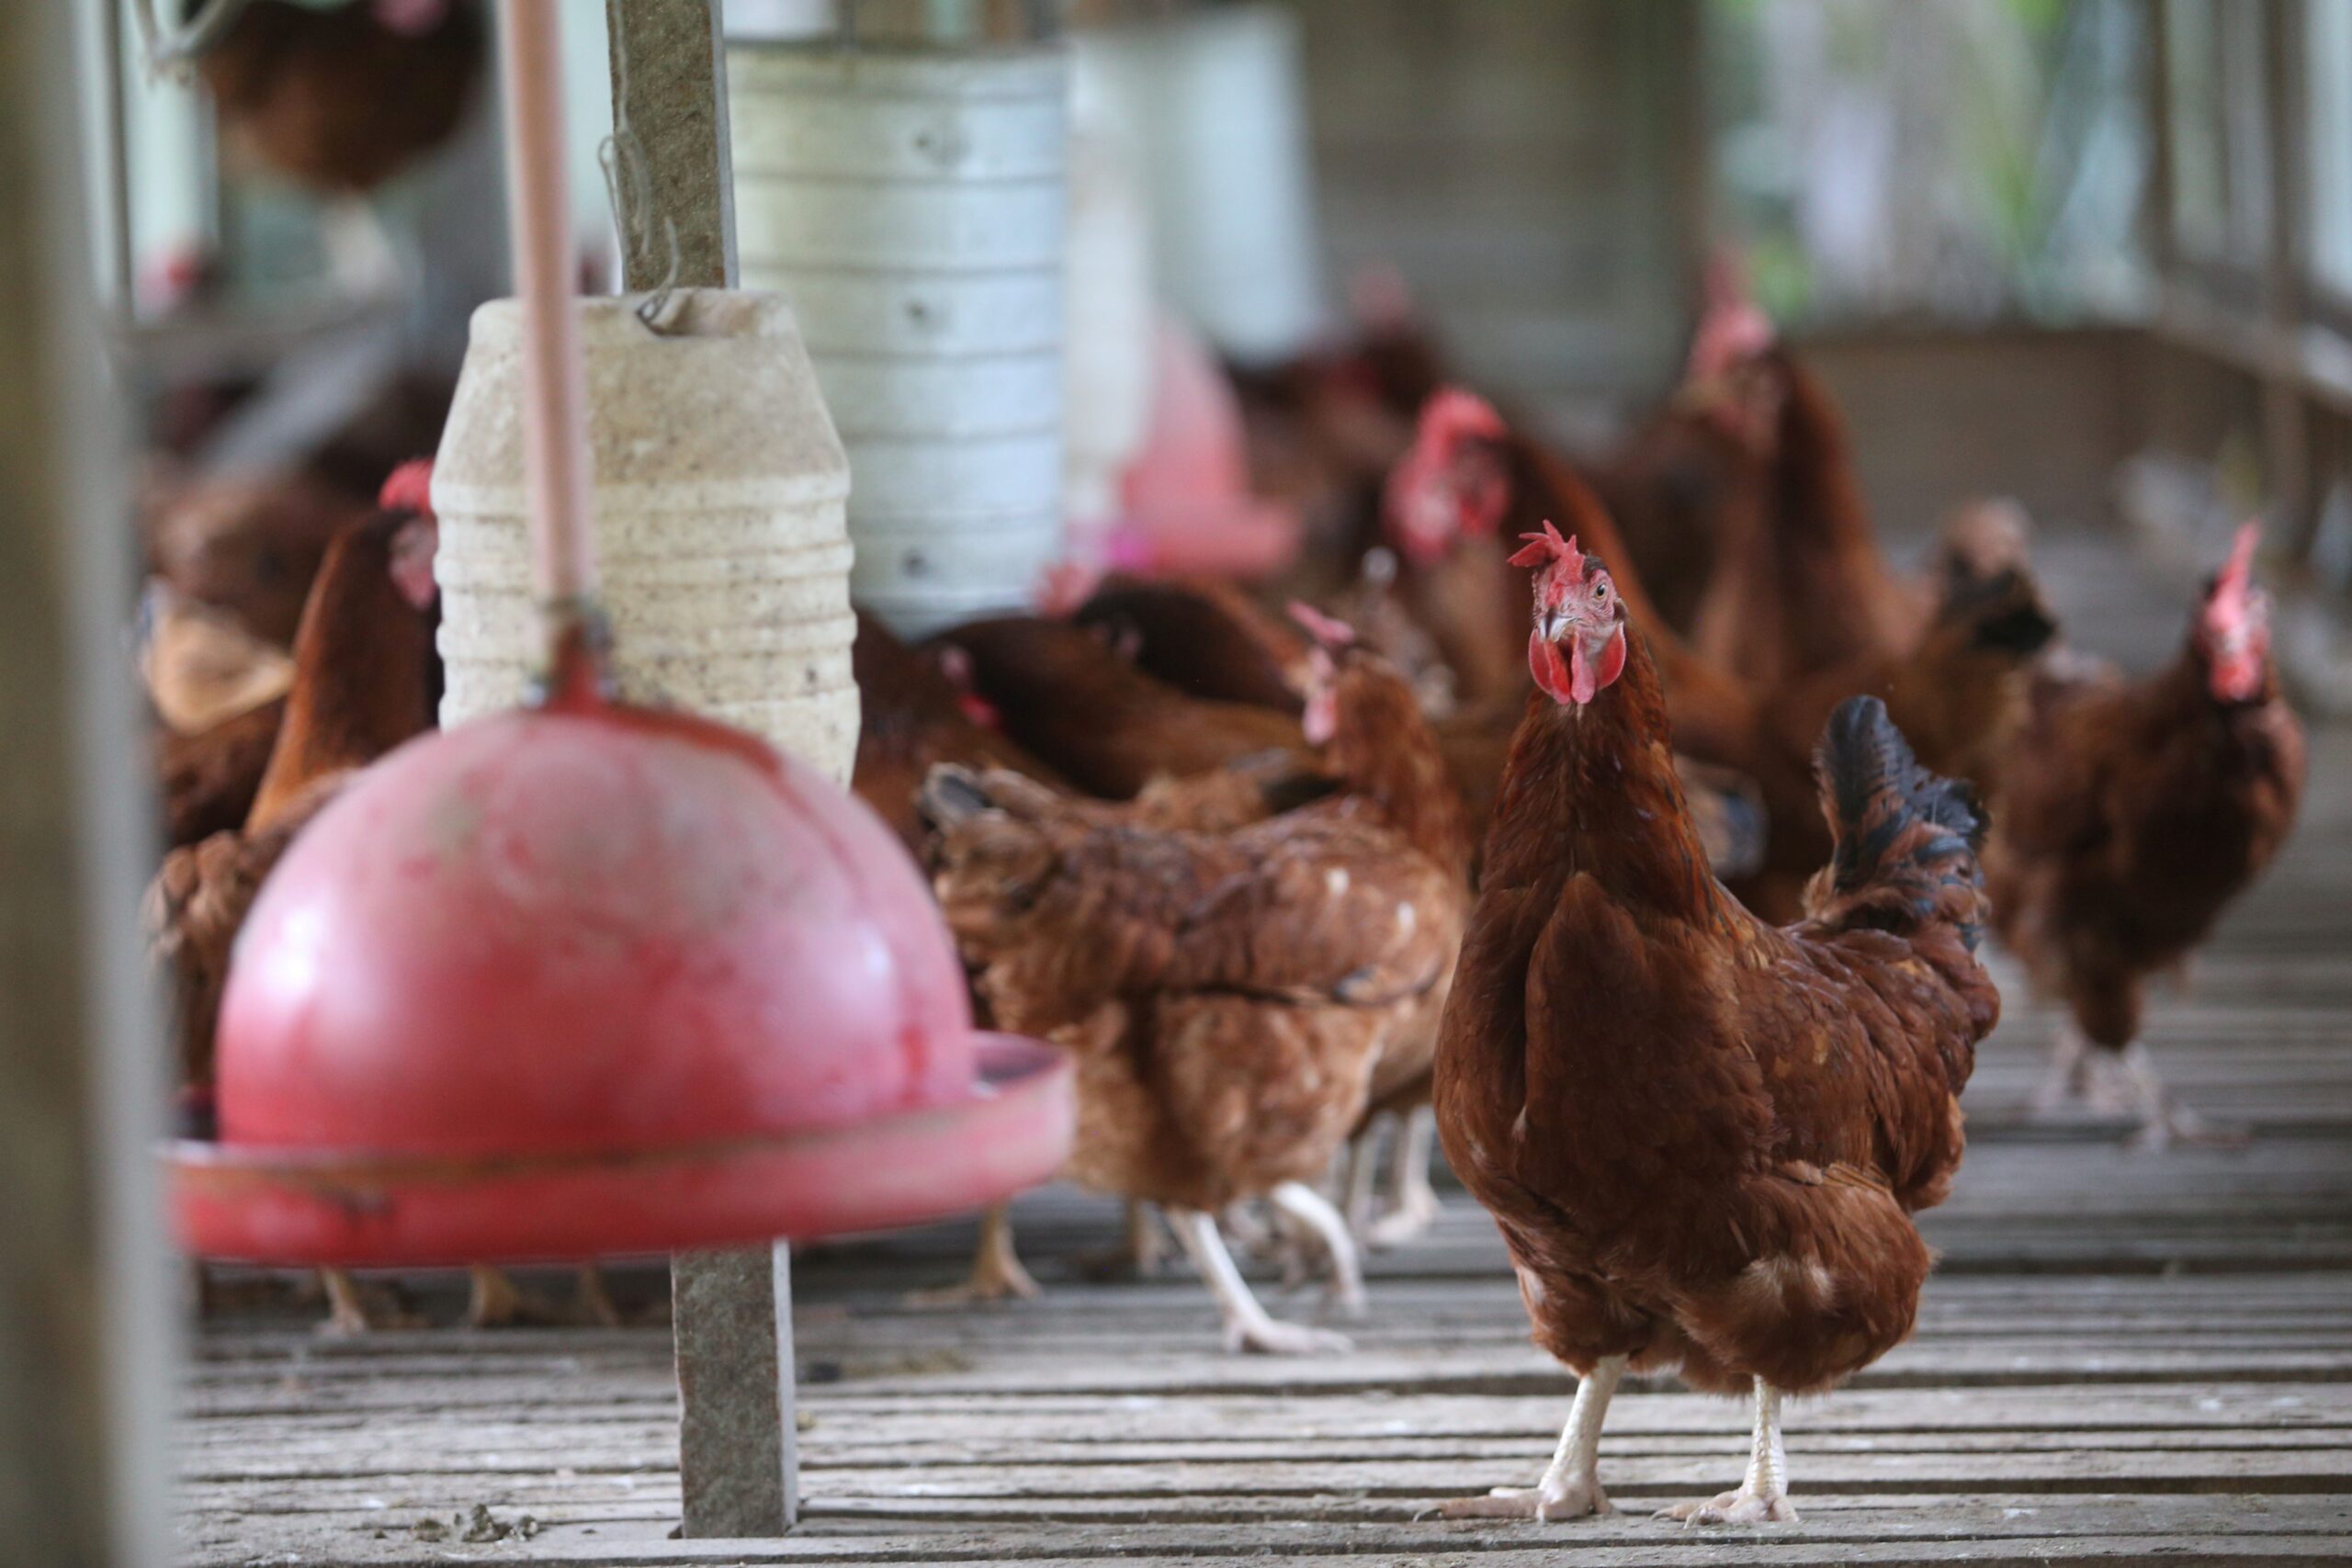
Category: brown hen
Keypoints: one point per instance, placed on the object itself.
(1703, 1137)
(364, 681)
(2129, 814)
(1062, 693)
(1233, 998)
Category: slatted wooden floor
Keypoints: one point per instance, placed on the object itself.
(2123, 1356)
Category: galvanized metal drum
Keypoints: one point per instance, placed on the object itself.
(911, 204)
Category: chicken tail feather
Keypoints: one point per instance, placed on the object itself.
(1906, 839)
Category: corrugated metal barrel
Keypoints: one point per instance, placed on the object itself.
(911, 204)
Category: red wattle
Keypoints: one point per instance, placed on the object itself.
(1551, 671)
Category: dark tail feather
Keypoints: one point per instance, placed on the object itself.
(1906, 839)
(950, 796)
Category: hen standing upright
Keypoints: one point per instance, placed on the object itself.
(1231, 996)
(2131, 813)
(1800, 585)
(1702, 1136)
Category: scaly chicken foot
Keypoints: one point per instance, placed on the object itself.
(1312, 1210)
(1413, 1205)
(1246, 1326)
(997, 1272)
(1763, 1497)
(1570, 1488)
(2164, 1120)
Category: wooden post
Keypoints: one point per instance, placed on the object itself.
(730, 1312)
(670, 88)
(87, 1355)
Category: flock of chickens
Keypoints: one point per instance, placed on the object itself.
(1630, 820)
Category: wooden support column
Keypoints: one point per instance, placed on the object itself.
(87, 1359)
(731, 1311)
(670, 88)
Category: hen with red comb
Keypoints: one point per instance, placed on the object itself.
(2131, 813)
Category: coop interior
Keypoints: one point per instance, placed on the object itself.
(948, 781)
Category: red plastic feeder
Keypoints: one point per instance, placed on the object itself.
(588, 978)
(591, 979)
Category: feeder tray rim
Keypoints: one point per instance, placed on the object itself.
(1017, 1079)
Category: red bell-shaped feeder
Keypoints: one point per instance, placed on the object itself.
(586, 978)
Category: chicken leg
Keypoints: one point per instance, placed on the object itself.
(1412, 1201)
(1763, 1497)
(495, 1301)
(996, 1272)
(2164, 1120)
(352, 1309)
(1246, 1326)
(1571, 1485)
(1314, 1210)
(2067, 1080)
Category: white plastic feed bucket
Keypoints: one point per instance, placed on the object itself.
(1112, 317)
(911, 204)
(1215, 101)
(718, 497)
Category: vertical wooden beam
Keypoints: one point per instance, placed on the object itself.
(86, 1342)
(730, 1312)
(670, 88)
(738, 1456)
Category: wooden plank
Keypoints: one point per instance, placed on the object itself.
(84, 1344)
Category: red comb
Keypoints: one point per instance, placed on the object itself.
(1328, 630)
(1732, 327)
(409, 489)
(1452, 414)
(2238, 571)
(1547, 547)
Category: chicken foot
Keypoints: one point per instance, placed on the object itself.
(997, 1272)
(1246, 1326)
(1763, 1497)
(2081, 1073)
(1412, 1201)
(2164, 1120)
(1571, 1485)
(1314, 1210)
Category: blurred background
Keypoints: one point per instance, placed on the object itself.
(2096, 255)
